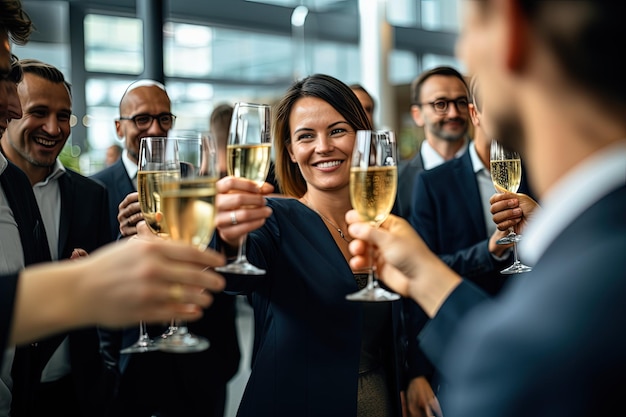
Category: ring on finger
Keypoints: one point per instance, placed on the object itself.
(233, 218)
(176, 293)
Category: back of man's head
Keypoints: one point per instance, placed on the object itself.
(220, 122)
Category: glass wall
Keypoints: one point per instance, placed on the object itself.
(208, 64)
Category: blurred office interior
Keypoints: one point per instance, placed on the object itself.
(212, 51)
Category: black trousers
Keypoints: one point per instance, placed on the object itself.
(56, 398)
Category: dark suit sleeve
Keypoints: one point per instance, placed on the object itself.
(417, 363)
(426, 218)
(435, 337)
(406, 177)
(8, 287)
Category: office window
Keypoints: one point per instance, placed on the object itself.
(200, 51)
(439, 15)
(431, 60)
(402, 67)
(188, 50)
(339, 60)
(403, 13)
(113, 44)
(312, 4)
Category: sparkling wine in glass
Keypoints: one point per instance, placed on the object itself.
(249, 154)
(506, 174)
(373, 185)
(188, 206)
(157, 160)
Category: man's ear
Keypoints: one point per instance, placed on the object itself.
(474, 114)
(416, 114)
(118, 129)
(516, 36)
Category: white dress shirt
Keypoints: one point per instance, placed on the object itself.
(48, 195)
(591, 180)
(431, 157)
(131, 167)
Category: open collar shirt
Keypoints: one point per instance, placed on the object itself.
(591, 180)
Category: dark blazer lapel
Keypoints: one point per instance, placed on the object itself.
(66, 188)
(465, 178)
(22, 201)
(121, 177)
(119, 185)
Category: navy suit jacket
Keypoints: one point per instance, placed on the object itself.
(447, 212)
(83, 224)
(118, 185)
(307, 336)
(156, 382)
(550, 344)
(407, 172)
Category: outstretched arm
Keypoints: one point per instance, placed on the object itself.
(115, 286)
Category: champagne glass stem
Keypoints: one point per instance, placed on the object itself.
(143, 343)
(517, 267)
(516, 260)
(241, 265)
(143, 332)
(371, 274)
(171, 329)
(241, 251)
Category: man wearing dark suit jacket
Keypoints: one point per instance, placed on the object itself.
(157, 383)
(439, 98)
(63, 374)
(451, 212)
(553, 342)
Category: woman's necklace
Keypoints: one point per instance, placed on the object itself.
(341, 233)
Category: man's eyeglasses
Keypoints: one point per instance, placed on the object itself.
(144, 121)
(441, 106)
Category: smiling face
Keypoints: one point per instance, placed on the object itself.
(321, 142)
(451, 125)
(35, 140)
(141, 100)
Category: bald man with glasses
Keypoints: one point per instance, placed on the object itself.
(144, 112)
(159, 383)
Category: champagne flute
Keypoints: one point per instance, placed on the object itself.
(188, 206)
(373, 185)
(506, 174)
(157, 159)
(249, 155)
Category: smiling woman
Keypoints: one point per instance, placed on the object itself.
(353, 356)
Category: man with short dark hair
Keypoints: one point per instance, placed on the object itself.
(439, 105)
(552, 343)
(64, 374)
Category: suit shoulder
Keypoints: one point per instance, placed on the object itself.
(85, 181)
(103, 174)
(444, 169)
